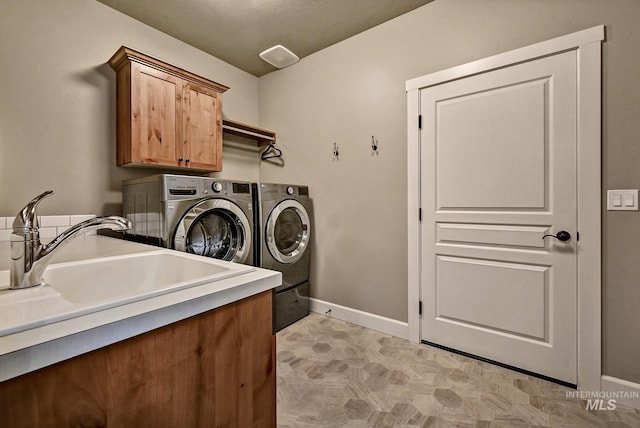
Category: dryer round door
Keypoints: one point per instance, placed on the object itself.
(288, 231)
(215, 228)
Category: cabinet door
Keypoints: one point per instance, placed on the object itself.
(155, 117)
(216, 369)
(202, 127)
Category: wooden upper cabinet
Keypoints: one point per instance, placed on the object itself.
(202, 124)
(156, 119)
(166, 116)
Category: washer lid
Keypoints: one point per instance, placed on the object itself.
(288, 231)
(215, 228)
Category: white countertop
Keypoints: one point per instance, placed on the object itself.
(37, 347)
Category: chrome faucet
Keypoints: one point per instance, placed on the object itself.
(29, 258)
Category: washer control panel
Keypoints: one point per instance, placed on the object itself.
(179, 187)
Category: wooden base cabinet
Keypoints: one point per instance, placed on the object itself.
(216, 369)
(166, 116)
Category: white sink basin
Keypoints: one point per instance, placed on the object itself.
(138, 276)
(77, 288)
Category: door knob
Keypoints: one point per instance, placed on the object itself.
(563, 236)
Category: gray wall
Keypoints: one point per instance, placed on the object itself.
(57, 108)
(355, 89)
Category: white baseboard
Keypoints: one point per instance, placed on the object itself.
(363, 319)
(615, 385)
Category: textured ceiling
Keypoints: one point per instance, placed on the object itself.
(236, 31)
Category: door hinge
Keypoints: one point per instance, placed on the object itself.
(419, 307)
(420, 215)
(419, 121)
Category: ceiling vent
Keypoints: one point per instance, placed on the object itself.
(279, 56)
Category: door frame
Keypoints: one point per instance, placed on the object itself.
(588, 46)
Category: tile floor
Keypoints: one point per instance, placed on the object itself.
(334, 374)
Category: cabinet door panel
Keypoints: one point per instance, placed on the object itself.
(202, 127)
(155, 114)
(216, 369)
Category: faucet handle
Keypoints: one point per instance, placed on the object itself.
(27, 218)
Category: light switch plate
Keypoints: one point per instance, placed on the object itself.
(622, 200)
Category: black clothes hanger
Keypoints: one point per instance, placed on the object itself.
(271, 152)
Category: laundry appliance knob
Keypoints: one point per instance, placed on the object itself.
(216, 187)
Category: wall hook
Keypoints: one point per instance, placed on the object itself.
(336, 153)
(374, 144)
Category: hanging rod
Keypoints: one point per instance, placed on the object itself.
(262, 136)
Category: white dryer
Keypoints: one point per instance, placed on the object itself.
(200, 215)
(283, 241)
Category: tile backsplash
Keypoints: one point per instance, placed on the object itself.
(50, 225)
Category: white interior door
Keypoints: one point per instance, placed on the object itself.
(498, 172)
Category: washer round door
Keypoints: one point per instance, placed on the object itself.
(288, 231)
(215, 228)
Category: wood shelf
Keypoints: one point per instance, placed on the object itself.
(261, 136)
